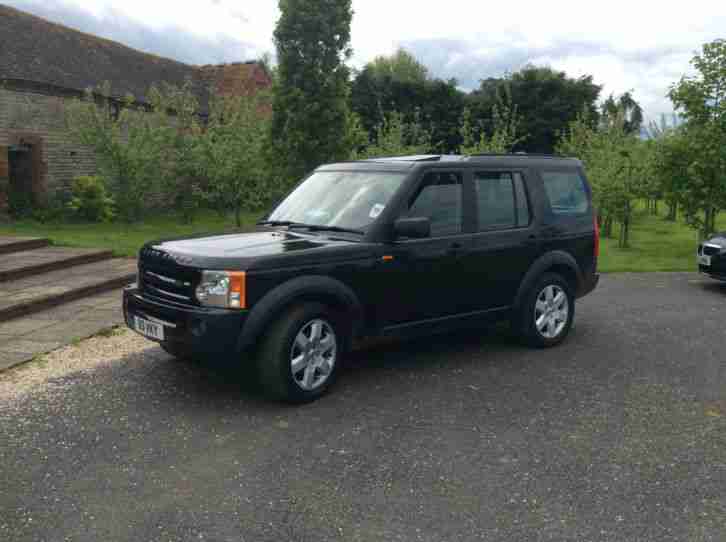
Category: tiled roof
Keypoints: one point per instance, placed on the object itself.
(33, 49)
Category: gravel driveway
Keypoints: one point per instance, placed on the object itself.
(619, 434)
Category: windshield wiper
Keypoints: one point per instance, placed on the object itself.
(275, 223)
(315, 227)
(310, 227)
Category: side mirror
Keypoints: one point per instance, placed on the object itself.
(413, 228)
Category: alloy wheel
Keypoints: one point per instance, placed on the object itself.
(313, 354)
(551, 311)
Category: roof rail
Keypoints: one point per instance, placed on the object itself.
(524, 154)
(413, 158)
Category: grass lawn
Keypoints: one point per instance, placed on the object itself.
(124, 239)
(656, 245)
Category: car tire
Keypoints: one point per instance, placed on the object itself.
(545, 316)
(299, 357)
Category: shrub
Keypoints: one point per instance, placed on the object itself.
(90, 200)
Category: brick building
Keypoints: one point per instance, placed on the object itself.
(42, 65)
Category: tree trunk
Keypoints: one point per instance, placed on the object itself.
(238, 215)
(672, 211)
(607, 230)
(623, 241)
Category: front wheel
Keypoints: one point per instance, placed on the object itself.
(299, 356)
(545, 316)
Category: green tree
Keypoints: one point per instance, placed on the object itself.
(395, 137)
(672, 163)
(627, 106)
(180, 130)
(505, 128)
(547, 101)
(310, 107)
(127, 143)
(402, 66)
(437, 103)
(702, 101)
(231, 154)
(616, 168)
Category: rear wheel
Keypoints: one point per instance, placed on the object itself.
(545, 317)
(299, 356)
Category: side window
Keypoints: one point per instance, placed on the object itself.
(566, 192)
(501, 200)
(439, 200)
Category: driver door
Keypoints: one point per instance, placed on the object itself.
(423, 276)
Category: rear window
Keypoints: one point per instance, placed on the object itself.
(566, 192)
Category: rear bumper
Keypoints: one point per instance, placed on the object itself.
(589, 283)
(203, 332)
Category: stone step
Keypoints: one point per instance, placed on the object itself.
(33, 294)
(24, 338)
(17, 244)
(17, 265)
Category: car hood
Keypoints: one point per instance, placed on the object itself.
(252, 250)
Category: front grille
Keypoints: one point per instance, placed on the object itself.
(168, 280)
(710, 250)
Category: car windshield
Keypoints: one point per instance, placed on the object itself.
(338, 199)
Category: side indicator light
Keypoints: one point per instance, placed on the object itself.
(238, 289)
(387, 258)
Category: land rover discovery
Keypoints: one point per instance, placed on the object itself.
(401, 246)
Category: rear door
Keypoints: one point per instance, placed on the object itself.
(569, 220)
(504, 244)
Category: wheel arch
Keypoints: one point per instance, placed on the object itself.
(558, 261)
(314, 288)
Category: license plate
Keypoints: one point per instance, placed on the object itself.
(704, 260)
(149, 329)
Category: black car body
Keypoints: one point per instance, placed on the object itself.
(473, 259)
(711, 257)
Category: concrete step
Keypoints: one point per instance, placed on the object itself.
(17, 265)
(37, 293)
(17, 244)
(24, 338)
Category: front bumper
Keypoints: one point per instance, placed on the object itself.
(200, 331)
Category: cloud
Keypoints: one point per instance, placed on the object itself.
(648, 72)
(171, 41)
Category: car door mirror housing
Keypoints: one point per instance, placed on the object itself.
(413, 228)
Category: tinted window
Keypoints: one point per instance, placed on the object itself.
(439, 200)
(566, 192)
(501, 200)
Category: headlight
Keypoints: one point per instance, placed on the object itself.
(225, 289)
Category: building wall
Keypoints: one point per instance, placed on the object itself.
(38, 119)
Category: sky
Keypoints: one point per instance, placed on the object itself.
(641, 46)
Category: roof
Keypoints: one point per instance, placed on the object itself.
(36, 50)
(403, 163)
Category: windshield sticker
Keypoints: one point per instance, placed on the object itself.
(376, 210)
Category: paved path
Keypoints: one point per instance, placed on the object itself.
(24, 338)
(618, 435)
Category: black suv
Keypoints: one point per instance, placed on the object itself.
(398, 246)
